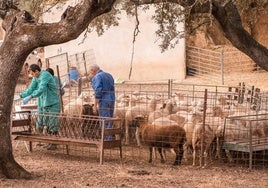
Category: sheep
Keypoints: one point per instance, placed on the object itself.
(75, 107)
(189, 128)
(120, 112)
(164, 110)
(208, 137)
(164, 121)
(233, 132)
(181, 104)
(172, 119)
(167, 136)
(89, 125)
(124, 100)
(238, 129)
(139, 110)
(180, 120)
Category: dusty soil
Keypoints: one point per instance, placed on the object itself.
(57, 169)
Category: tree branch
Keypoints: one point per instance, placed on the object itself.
(73, 22)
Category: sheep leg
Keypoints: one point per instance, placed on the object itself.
(179, 154)
(228, 154)
(151, 154)
(137, 135)
(194, 155)
(185, 149)
(127, 132)
(161, 155)
(218, 148)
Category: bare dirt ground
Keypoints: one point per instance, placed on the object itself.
(56, 169)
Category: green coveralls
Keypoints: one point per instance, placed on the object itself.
(45, 90)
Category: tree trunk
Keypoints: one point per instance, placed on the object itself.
(8, 76)
(231, 25)
(21, 38)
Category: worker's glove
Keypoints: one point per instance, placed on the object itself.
(26, 99)
(16, 98)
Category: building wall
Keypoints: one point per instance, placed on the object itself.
(113, 50)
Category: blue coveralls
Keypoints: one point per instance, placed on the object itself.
(45, 89)
(103, 86)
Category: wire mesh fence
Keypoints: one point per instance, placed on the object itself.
(244, 139)
(222, 65)
(186, 105)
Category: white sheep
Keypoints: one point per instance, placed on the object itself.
(189, 129)
(75, 107)
(165, 109)
(208, 137)
(238, 128)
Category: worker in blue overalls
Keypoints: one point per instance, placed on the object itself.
(103, 86)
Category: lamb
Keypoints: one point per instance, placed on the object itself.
(211, 126)
(208, 137)
(189, 128)
(167, 136)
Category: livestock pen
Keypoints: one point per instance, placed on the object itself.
(177, 102)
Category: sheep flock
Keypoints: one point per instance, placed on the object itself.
(185, 124)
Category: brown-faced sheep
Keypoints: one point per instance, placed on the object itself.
(137, 111)
(168, 136)
(90, 123)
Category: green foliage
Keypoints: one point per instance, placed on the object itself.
(249, 9)
(168, 16)
(105, 21)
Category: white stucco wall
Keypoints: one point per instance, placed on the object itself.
(113, 50)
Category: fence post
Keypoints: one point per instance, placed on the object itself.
(170, 88)
(222, 67)
(85, 64)
(241, 92)
(59, 88)
(79, 86)
(202, 157)
(250, 145)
